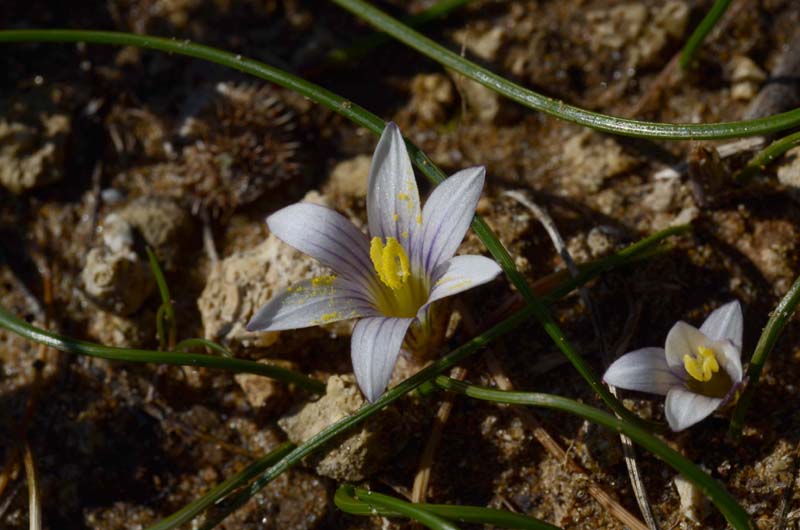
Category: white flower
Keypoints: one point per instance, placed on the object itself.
(698, 370)
(388, 282)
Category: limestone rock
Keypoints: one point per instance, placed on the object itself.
(32, 156)
(693, 504)
(117, 281)
(163, 224)
(358, 453)
(746, 77)
(431, 97)
(590, 159)
(348, 180)
(263, 392)
(789, 173)
(241, 283)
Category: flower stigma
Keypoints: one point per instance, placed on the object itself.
(702, 366)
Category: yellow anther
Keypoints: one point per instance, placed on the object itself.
(390, 261)
(703, 365)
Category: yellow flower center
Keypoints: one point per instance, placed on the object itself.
(703, 365)
(406, 293)
(390, 262)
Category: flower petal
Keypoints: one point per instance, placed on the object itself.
(374, 347)
(725, 323)
(460, 274)
(645, 370)
(683, 339)
(326, 236)
(730, 359)
(447, 215)
(311, 303)
(684, 408)
(393, 205)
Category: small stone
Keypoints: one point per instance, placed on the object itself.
(264, 392)
(119, 331)
(590, 159)
(32, 155)
(484, 45)
(789, 173)
(693, 505)
(357, 454)
(348, 180)
(746, 77)
(163, 224)
(431, 97)
(117, 281)
(483, 102)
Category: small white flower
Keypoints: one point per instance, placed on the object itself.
(698, 370)
(388, 282)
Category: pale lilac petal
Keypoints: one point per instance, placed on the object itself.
(684, 408)
(459, 274)
(393, 206)
(729, 357)
(374, 347)
(311, 303)
(448, 214)
(644, 370)
(683, 339)
(326, 236)
(725, 323)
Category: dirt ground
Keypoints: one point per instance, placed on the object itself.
(104, 149)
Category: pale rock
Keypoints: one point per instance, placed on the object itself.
(789, 173)
(348, 180)
(163, 224)
(118, 331)
(117, 281)
(431, 97)
(359, 452)
(746, 77)
(590, 159)
(483, 102)
(264, 392)
(485, 45)
(693, 505)
(32, 156)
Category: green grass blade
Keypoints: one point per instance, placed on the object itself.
(766, 156)
(375, 503)
(187, 344)
(557, 108)
(356, 501)
(727, 505)
(700, 33)
(66, 344)
(168, 311)
(192, 510)
(778, 319)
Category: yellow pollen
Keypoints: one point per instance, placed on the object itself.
(419, 218)
(403, 196)
(395, 217)
(323, 280)
(327, 317)
(405, 234)
(703, 365)
(390, 261)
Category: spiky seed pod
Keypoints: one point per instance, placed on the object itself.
(243, 142)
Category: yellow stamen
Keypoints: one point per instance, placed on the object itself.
(703, 365)
(390, 261)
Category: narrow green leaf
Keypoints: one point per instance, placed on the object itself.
(700, 33)
(59, 342)
(357, 502)
(373, 503)
(766, 156)
(557, 108)
(187, 344)
(778, 319)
